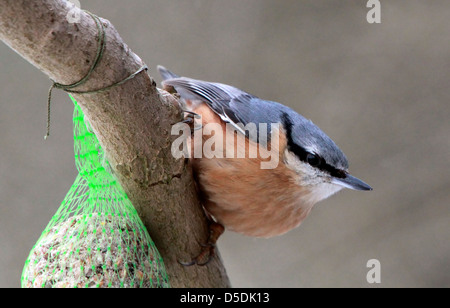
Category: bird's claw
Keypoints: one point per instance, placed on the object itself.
(209, 249)
(192, 114)
(190, 119)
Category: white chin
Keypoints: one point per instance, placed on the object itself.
(323, 191)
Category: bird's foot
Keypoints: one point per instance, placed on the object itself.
(208, 251)
(190, 118)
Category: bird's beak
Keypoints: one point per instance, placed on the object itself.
(351, 182)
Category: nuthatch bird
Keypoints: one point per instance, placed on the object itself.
(236, 192)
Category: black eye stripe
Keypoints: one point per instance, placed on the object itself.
(302, 154)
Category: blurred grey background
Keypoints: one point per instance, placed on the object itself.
(381, 91)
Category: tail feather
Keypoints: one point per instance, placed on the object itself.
(165, 73)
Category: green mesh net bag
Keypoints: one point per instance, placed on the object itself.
(96, 238)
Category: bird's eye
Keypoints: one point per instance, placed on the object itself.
(313, 160)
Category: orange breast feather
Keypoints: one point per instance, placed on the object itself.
(242, 196)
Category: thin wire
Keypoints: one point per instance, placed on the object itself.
(144, 67)
(99, 54)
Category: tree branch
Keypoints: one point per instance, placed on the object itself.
(132, 122)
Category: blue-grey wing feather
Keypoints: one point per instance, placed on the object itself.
(236, 106)
(227, 101)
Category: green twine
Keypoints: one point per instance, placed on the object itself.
(96, 237)
(99, 54)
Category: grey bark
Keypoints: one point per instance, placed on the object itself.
(131, 121)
